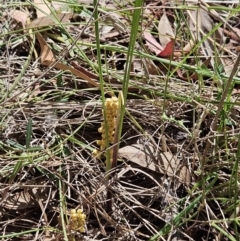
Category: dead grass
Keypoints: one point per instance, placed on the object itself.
(50, 119)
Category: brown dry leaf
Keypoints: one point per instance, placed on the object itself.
(58, 5)
(188, 47)
(200, 24)
(111, 34)
(46, 55)
(233, 35)
(84, 71)
(228, 64)
(116, 21)
(49, 20)
(42, 8)
(77, 73)
(108, 32)
(167, 163)
(151, 42)
(165, 30)
(47, 58)
(155, 47)
(168, 51)
(19, 16)
(151, 67)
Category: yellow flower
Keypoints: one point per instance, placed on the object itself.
(111, 105)
(99, 142)
(102, 148)
(77, 220)
(81, 229)
(101, 129)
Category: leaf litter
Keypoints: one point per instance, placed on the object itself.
(156, 172)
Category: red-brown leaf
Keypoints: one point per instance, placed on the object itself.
(168, 51)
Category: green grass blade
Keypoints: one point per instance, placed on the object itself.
(100, 74)
(133, 37)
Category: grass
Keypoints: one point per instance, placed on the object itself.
(185, 107)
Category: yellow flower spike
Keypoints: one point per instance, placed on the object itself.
(110, 131)
(96, 154)
(115, 99)
(100, 129)
(99, 142)
(72, 211)
(74, 219)
(108, 112)
(73, 214)
(79, 211)
(107, 102)
(81, 221)
(78, 220)
(114, 106)
(111, 105)
(74, 227)
(103, 144)
(111, 140)
(81, 229)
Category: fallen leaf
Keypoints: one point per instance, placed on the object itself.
(164, 163)
(151, 67)
(76, 72)
(43, 8)
(152, 43)
(46, 55)
(50, 20)
(168, 50)
(19, 16)
(188, 47)
(165, 30)
(108, 32)
(58, 5)
(155, 47)
(228, 64)
(118, 24)
(105, 29)
(47, 58)
(200, 24)
(111, 34)
(84, 71)
(234, 35)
